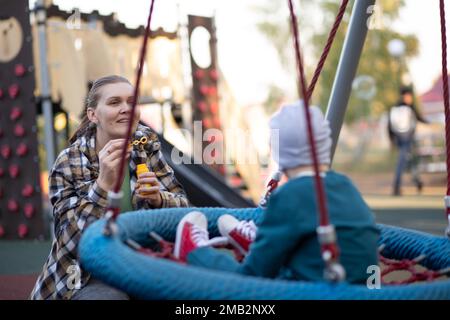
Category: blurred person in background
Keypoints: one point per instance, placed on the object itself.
(402, 122)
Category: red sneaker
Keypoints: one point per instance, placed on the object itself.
(241, 234)
(192, 232)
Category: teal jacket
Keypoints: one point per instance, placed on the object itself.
(286, 245)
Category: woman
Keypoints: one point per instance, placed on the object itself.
(285, 244)
(81, 178)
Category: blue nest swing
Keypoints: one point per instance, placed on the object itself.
(112, 261)
(109, 259)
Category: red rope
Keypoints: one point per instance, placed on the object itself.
(328, 248)
(133, 108)
(303, 92)
(446, 107)
(332, 34)
(326, 50)
(165, 251)
(446, 94)
(445, 89)
(327, 47)
(415, 275)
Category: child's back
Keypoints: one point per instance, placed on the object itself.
(294, 244)
(286, 244)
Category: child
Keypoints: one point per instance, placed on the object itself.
(286, 244)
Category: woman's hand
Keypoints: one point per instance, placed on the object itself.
(109, 159)
(147, 187)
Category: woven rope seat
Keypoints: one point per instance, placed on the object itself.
(109, 259)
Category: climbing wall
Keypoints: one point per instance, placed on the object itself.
(20, 195)
(205, 96)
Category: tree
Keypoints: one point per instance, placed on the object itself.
(376, 62)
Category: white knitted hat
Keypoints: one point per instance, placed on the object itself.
(289, 136)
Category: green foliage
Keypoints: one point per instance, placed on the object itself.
(274, 98)
(376, 62)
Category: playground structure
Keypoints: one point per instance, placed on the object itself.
(61, 53)
(104, 253)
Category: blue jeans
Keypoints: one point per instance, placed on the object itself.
(214, 259)
(221, 260)
(404, 150)
(98, 290)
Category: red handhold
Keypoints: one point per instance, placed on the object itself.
(212, 91)
(13, 206)
(19, 70)
(199, 74)
(204, 90)
(22, 230)
(22, 150)
(1, 94)
(214, 74)
(27, 191)
(202, 106)
(5, 151)
(13, 91)
(2, 231)
(28, 210)
(206, 123)
(1, 193)
(14, 171)
(214, 108)
(19, 130)
(2, 172)
(15, 114)
(216, 122)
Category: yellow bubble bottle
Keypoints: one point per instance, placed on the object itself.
(141, 168)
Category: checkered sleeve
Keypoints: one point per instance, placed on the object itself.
(72, 212)
(172, 193)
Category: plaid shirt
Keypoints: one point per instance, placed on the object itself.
(77, 201)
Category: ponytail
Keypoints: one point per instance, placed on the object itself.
(82, 128)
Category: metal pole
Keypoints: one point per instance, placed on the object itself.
(41, 17)
(348, 64)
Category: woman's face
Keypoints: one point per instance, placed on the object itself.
(113, 110)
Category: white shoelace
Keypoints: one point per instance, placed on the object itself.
(200, 236)
(247, 229)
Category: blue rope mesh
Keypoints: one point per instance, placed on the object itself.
(110, 260)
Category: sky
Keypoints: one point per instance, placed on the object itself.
(422, 19)
(247, 59)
